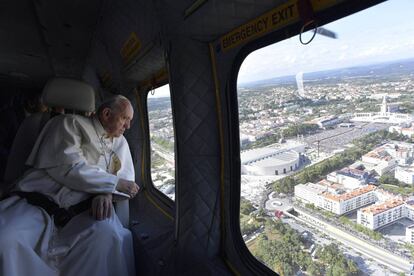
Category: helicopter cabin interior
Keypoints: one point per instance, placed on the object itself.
(132, 47)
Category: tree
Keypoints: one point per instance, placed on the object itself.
(304, 177)
(247, 228)
(310, 206)
(245, 206)
(389, 179)
(303, 260)
(329, 253)
(315, 269)
(295, 130)
(287, 270)
(336, 262)
(261, 213)
(336, 269)
(285, 185)
(352, 267)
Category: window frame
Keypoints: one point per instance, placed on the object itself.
(167, 202)
(342, 10)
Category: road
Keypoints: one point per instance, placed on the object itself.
(380, 255)
(163, 153)
(254, 235)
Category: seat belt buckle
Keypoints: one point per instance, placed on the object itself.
(61, 217)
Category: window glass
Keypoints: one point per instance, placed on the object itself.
(327, 153)
(162, 140)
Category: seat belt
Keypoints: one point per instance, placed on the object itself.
(61, 216)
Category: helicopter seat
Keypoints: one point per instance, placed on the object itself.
(58, 93)
(68, 94)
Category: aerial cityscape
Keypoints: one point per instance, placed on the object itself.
(327, 158)
(162, 145)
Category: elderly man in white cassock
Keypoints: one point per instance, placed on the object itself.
(61, 220)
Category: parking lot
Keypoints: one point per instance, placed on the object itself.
(339, 137)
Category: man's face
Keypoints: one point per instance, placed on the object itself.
(115, 122)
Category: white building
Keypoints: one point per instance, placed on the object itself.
(406, 130)
(273, 160)
(246, 138)
(309, 193)
(409, 234)
(410, 209)
(409, 231)
(333, 197)
(381, 214)
(386, 115)
(386, 157)
(383, 195)
(393, 107)
(401, 151)
(405, 174)
(349, 201)
(380, 160)
(350, 178)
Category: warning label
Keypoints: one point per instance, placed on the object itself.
(270, 21)
(130, 48)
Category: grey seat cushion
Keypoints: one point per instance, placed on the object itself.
(22, 146)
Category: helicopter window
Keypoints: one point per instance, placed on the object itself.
(162, 140)
(323, 128)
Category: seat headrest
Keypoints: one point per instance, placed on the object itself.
(69, 94)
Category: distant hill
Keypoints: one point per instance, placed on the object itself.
(385, 69)
(159, 103)
(272, 81)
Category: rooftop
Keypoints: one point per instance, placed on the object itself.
(382, 207)
(312, 187)
(350, 194)
(331, 184)
(352, 172)
(255, 155)
(281, 158)
(379, 153)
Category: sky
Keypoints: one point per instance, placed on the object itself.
(382, 33)
(163, 91)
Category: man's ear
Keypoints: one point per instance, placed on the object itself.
(106, 112)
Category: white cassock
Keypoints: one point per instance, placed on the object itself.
(71, 160)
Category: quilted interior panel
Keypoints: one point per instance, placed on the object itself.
(198, 149)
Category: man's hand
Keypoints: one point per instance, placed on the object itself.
(101, 207)
(127, 187)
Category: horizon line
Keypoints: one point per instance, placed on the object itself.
(327, 70)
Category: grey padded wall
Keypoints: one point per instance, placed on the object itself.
(198, 151)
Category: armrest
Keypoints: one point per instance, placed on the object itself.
(122, 210)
